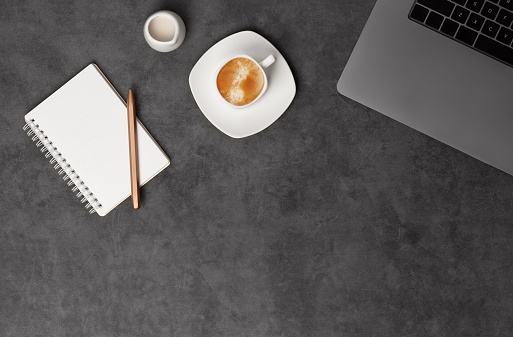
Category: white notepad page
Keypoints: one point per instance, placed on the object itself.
(87, 121)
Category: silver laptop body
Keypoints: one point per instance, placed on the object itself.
(433, 84)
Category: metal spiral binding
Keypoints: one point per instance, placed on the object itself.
(70, 175)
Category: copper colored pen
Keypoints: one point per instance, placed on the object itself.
(132, 145)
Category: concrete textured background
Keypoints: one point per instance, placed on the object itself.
(334, 221)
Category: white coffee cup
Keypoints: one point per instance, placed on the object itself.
(164, 31)
(262, 65)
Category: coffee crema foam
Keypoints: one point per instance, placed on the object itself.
(240, 81)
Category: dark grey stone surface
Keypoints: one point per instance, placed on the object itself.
(334, 221)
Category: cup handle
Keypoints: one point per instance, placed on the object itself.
(267, 61)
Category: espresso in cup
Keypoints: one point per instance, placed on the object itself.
(241, 81)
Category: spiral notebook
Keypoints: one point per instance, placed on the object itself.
(83, 129)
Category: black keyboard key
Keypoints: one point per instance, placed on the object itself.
(449, 27)
(441, 6)
(490, 10)
(490, 28)
(505, 35)
(466, 35)
(505, 18)
(460, 14)
(434, 20)
(495, 49)
(419, 13)
(507, 4)
(475, 21)
(460, 2)
(494, 1)
(475, 5)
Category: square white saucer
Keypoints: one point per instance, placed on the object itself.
(239, 123)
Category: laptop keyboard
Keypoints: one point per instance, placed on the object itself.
(483, 25)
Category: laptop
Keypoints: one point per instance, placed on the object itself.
(442, 67)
